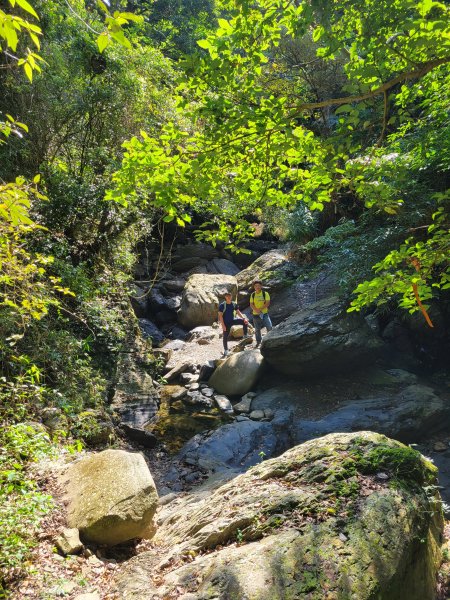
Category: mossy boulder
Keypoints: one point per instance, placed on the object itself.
(345, 516)
(111, 497)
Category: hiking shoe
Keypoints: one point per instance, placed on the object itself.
(225, 353)
(258, 344)
(248, 337)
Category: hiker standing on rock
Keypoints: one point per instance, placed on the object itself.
(227, 318)
(259, 303)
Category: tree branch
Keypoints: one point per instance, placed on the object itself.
(382, 89)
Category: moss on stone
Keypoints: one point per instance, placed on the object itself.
(347, 516)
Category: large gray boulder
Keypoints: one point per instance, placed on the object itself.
(238, 374)
(408, 415)
(192, 256)
(344, 516)
(201, 297)
(223, 266)
(239, 445)
(321, 339)
(111, 497)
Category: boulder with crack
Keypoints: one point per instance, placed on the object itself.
(343, 516)
(201, 297)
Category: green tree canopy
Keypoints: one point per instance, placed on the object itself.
(257, 143)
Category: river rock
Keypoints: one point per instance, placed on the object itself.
(319, 340)
(111, 497)
(312, 523)
(241, 444)
(150, 330)
(203, 335)
(236, 332)
(409, 416)
(201, 297)
(178, 370)
(68, 541)
(177, 392)
(222, 266)
(175, 345)
(257, 415)
(190, 256)
(197, 398)
(206, 370)
(156, 299)
(244, 405)
(177, 333)
(188, 378)
(235, 446)
(140, 436)
(238, 374)
(223, 403)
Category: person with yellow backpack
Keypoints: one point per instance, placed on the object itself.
(259, 303)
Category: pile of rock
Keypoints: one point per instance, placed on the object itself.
(245, 412)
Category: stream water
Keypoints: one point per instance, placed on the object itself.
(177, 422)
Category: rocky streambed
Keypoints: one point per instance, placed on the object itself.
(281, 471)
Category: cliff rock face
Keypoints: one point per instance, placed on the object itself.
(344, 516)
(321, 339)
